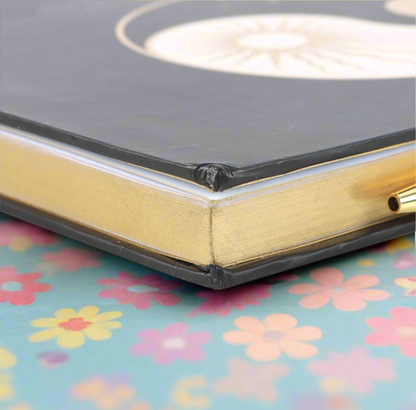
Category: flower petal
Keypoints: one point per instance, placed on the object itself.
(97, 334)
(102, 317)
(251, 324)
(29, 277)
(405, 283)
(380, 323)
(383, 338)
(88, 312)
(127, 277)
(153, 280)
(46, 334)
(304, 333)
(315, 301)
(408, 349)
(106, 325)
(166, 356)
(39, 287)
(372, 294)
(151, 335)
(142, 301)
(110, 282)
(8, 273)
(280, 322)
(361, 282)
(327, 276)
(165, 298)
(21, 298)
(263, 351)
(298, 350)
(65, 314)
(45, 322)
(143, 349)
(304, 288)
(71, 339)
(241, 337)
(169, 284)
(403, 315)
(7, 359)
(199, 337)
(398, 245)
(123, 297)
(176, 329)
(348, 302)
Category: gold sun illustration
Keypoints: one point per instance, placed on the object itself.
(302, 46)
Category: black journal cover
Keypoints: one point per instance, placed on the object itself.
(220, 93)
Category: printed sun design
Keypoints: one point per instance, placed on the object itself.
(291, 45)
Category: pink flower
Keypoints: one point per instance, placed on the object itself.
(348, 296)
(399, 331)
(20, 289)
(20, 235)
(72, 259)
(173, 343)
(140, 291)
(331, 402)
(405, 261)
(355, 370)
(221, 302)
(251, 381)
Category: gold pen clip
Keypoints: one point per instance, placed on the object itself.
(403, 202)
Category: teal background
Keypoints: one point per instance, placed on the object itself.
(37, 387)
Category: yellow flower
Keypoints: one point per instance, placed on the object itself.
(399, 244)
(139, 405)
(408, 283)
(7, 359)
(20, 243)
(183, 396)
(20, 406)
(105, 394)
(366, 263)
(70, 328)
(6, 388)
(333, 385)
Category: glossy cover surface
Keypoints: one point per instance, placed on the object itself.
(76, 72)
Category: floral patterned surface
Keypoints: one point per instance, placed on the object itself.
(81, 329)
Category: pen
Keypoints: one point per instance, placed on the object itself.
(403, 202)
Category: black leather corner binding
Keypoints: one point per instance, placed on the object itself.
(213, 276)
(214, 176)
